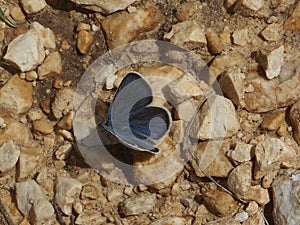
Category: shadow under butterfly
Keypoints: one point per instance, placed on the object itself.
(131, 118)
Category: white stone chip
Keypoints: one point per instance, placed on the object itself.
(26, 51)
(33, 6)
(187, 34)
(9, 155)
(46, 35)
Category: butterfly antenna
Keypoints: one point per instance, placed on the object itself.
(189, 144)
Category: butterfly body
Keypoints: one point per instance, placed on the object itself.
(132, 120)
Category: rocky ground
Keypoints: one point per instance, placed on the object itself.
(252, 50)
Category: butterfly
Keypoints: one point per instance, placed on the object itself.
(131, 118)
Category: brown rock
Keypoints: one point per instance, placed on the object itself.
(66, 121)
(84, 41)
(45, 105)
(51, 66)
(295, 120)
(187, 10)
(43, 126)
(293, 22)
(15, 97)
(214, 43)
(63, 102)
(273, 120)
(17, 14)
(122, 27)
(15, 131)
(220, 203)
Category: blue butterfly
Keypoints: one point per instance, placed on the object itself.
(132, 120)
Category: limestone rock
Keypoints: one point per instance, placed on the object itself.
(63, 102)
(240, 37)
(217, 119)
(122, 27)
(271, 61)
(63, 151)
(9, 155)
(43, 126)
(17, 14)
(272, 32)
(67, 191)
(286, 198)
(33, 6)
(84, 40)
(233, 85)
(187, 34)
(45, 34)
(295, 120)
(33, 202)
(16, 132)
(252, 5)
(139, 204)
(26, 51)
(67, 121)
(105, 6)
(28, 161)
(51, 66)
(15, 97)
(269, 154)
(267, 95)
(241, 153)
(212, 156)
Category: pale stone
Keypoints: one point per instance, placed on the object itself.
(113, 194)
(90, 217)
(239, 182)
(267, 95)
(185, 111)
(9, 155)
(35, 114)
(269, 154)
(241, 153)
(33, 202)
(212, 157)
(233, 86)
(273, 120)
(214, 43)
(240, 37)
(272, 61)
(139, 204)
(26, 51)
(254, 5)
(295, 120)
(256, 219)
(241, 216)
(51, 66)
(15, 97)
(66, 134)
(183, 89)
(33, 6)
(31, 75)
(174, 220)
(63, 102)
(272, 32)
(84, 41)
(63, 151)
(106, 6)
(110, 80)
(220, 203)
(90, 191)
(28, 161)
(46, 35)
(187, 34)
(286, 198)
(122, 27)
(67, 191)
(83, 26)
(217, 119)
